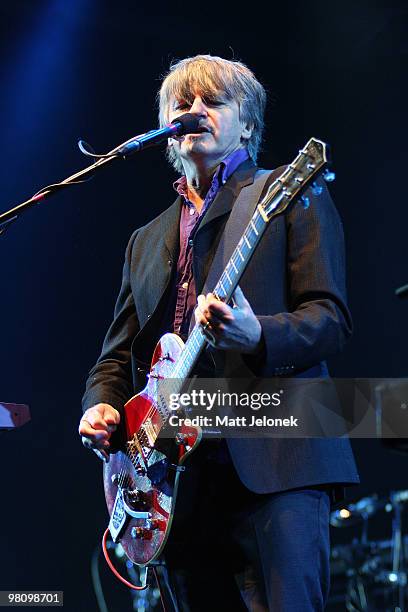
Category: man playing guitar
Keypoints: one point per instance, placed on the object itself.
(252, 515)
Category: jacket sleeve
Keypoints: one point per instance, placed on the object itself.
(318, 322)
(110, 380)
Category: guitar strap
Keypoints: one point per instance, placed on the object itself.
(241, 213)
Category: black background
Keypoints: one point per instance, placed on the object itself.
(90, 69)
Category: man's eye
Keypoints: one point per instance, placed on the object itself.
(214, 102)
(181, 105)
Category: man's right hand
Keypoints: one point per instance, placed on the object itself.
(96, 426)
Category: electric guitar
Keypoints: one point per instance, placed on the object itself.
(141, 480)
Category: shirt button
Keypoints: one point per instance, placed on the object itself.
(190, 242)
(185, 285)
(192, 211)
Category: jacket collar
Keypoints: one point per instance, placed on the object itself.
(223, 203)
(225, 198)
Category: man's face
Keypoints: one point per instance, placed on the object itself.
(220, 130)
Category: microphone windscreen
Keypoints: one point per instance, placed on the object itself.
(189, 123)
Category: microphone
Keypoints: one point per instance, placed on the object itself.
(185, 124)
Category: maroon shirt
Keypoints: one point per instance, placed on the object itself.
(186, 297)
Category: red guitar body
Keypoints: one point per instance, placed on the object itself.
(141, 480)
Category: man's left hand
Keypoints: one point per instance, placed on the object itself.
(228, 328)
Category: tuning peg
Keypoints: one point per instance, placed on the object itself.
(317, 189)
(305, 201)
(329, 175)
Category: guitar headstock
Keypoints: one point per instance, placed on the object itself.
(312, 161)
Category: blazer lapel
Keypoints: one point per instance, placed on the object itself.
(226, 196)
(170, 228)
(155, 260)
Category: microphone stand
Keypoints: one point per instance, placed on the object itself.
(184, 124)
(8, 217)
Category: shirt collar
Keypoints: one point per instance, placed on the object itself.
(221, 175)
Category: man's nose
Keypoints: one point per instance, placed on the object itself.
(198, 107)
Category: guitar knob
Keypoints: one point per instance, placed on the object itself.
(155, 524)
(140, 533)
(181, 439)
(158, 524)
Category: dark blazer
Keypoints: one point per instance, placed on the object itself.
(295, 285)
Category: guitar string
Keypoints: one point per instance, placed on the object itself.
(131, 451)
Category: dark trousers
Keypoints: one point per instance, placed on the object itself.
(231, 549)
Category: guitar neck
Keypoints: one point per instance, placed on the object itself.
(225, 287)
(310, 162)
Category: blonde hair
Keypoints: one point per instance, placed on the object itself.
(211, 75)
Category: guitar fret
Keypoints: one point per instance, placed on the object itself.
(259, 221)
(191, 352)
(219, 294)
(251, 235)
(188, 356)
(228, 276)
(233, 265)
(254, 228)
(240, 254)
(247, 241)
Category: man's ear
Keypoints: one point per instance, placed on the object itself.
(246, 131)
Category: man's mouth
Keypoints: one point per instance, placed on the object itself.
(202, 130)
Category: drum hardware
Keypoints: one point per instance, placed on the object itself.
(375, 572)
